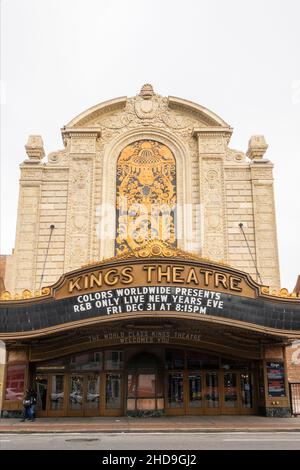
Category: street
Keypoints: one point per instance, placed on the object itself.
(151, 441)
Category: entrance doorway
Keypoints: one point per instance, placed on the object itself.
(144, 385)
(170, 381)
(198, 383)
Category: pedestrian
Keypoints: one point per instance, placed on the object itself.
(33, 399)
(26, 406)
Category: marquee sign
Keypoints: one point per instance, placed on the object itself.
(166, 282)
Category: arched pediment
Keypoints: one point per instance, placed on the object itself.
(83, 119)
(148, 106)
(200, 112)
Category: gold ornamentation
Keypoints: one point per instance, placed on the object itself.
(6, 295)
(283, 293)
(26, 294)
(146, 195)
(159, 249)
(46, 290)
(265, 290)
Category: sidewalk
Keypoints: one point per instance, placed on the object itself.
(161, 424)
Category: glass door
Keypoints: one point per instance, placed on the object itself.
(41, 382)
(56, 395)
(92, 399)
(113, 394)
(75, 401)
(175, 392)
(195, 397)
(212, 397)
(246, 390)
(231, 395)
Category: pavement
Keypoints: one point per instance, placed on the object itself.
(168, 424)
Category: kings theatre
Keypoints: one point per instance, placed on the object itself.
(145, 276)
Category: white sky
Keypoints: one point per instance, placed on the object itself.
(241, 59)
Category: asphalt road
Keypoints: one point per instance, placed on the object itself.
(152, 441)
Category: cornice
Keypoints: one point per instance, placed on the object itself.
(95, 111)
(212, 131)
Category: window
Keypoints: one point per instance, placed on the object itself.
(146, 195)
(113, 360)
(87, 361)
(15, 380)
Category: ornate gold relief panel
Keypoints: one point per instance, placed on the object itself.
(146, 195)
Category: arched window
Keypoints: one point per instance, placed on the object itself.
(146, 195)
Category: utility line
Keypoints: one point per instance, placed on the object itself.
(257, 273)
(52, 227)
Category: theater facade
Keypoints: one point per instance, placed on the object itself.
(145, 276)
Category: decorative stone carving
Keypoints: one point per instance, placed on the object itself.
(146, 109)
(82, 145)
(213, 203)
(60, 157)
(78, 235)
(146, 103)
(235, 156)
(211, 145)
(117, 121)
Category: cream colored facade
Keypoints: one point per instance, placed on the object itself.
(74, 189)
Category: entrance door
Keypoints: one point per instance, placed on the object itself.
(113, 405)
(56, 395)
(246, 393)
(75, 395)
(195, 392)
(41, 394)
(92, 396)
(230, 392)
(237, 393)
(84, 395)
(212, 392)
(175, 395)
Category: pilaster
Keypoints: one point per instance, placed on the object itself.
(80, 216)
(212, 144)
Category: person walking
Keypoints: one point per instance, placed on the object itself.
(33, 400)
(26, 406)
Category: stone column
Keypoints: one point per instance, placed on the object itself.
(264, 213)
(212, 143)
(80, 205)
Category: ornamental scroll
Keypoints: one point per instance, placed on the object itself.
(146, 195)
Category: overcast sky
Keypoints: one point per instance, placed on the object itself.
(241, 59)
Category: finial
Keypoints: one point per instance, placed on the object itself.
(257, 147)
(147, 91)
(35, 148)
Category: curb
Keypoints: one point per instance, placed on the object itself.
(147, 430)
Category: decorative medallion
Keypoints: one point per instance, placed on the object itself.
(146, 103)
